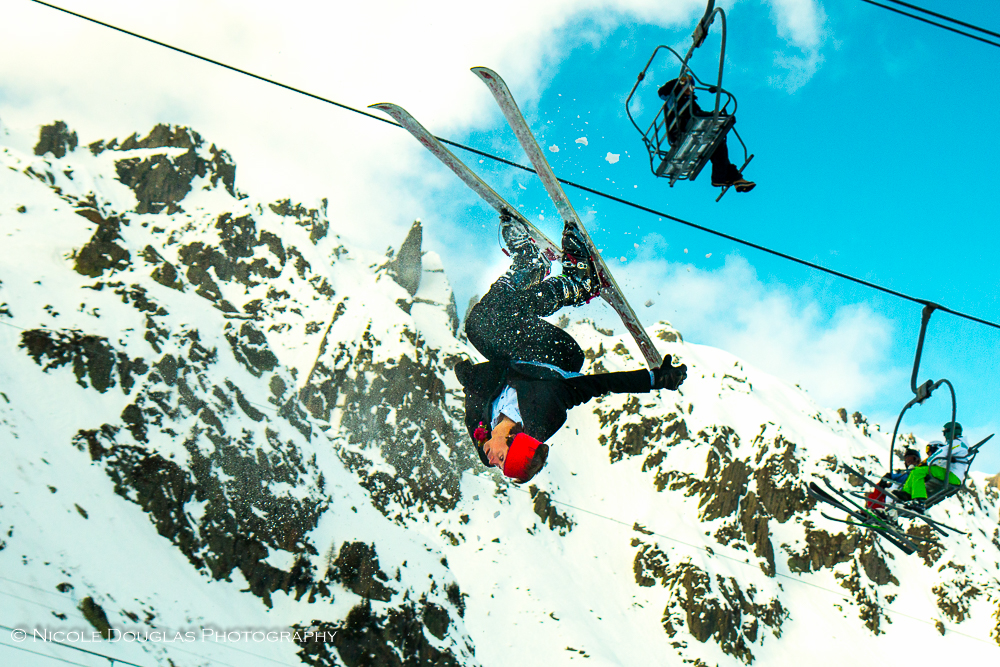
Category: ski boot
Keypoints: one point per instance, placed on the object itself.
(530, 266)
(580, 280)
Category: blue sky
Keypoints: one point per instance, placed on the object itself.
(875, 142)
(862, 168)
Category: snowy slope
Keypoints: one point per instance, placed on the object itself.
(215, 415)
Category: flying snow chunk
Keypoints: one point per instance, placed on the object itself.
(582, 140)
(553, 148)
(623, 259)
(612, 157)
(636, 245)
(649, 303)
(708, 255)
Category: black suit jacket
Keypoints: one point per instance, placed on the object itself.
(543, 395)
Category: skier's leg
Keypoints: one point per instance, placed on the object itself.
(916, 486)
(548, 344)
(492, 315)
(529, 266)
(938, 473)
(724, 172)
(579, 282)
(505, 326)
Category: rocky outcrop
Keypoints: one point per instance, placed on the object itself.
(398, 412)
(365, 639)
(405, 266)
(547, 512)
(705, 608)
(56, 139)
(93, 360)
(104, 251)
(160, 181)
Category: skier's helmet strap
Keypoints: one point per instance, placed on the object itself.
(522, 463)
(946, 429)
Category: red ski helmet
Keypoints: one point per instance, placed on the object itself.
(525, 457)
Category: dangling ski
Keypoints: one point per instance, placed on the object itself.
(906, 514)
(478, 185)
(860, 517)
(610, 291)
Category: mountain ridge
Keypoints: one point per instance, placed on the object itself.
(301, 437)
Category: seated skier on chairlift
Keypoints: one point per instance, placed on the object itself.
(724, 172)
(518, 398)
(914, 491)
(892, 481)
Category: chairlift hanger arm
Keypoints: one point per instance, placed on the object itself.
(925, 317)
(923, 392)
(701, 30)
(698, 38)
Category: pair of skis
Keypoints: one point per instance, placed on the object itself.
(610, 291)
(877, 522)
(858, 516)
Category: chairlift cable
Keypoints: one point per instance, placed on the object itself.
(70, 646)
(946, 18)
(935, 23)
(578, 186)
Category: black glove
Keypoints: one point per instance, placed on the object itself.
(668, 376)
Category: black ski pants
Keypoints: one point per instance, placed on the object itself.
(723, 171)
(506, 325)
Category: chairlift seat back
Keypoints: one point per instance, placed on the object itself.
(694, 147)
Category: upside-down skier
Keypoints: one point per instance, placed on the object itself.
(519, 397)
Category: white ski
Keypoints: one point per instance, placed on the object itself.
(430, 142)
(609, 290)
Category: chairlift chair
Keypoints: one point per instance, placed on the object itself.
(937, 490)
(680, 141)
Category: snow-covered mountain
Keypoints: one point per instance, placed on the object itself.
(216, 417)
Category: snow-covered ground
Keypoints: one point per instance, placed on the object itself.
(216, 417)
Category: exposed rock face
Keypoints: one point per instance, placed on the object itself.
(406, 268)
(56, 139)
(357, 568)
(366, 639)
(548, 513)
(719, 610)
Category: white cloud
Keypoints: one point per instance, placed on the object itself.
(106, 84)
(842, 358)
(796, 70)
(801, 23)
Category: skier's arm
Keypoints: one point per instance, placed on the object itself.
(579, 390)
